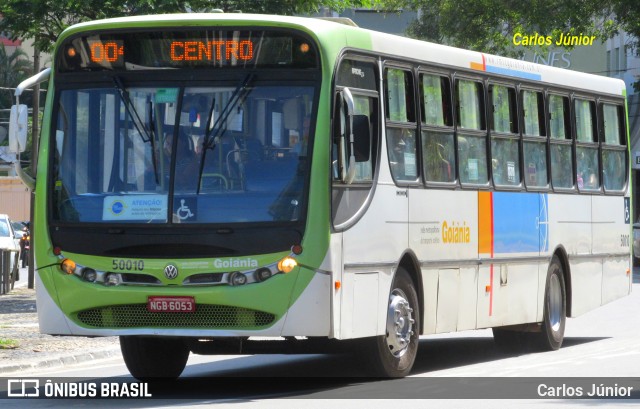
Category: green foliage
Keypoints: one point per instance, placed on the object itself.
(489, 25)
(14, 68)
(44, 20)
(283, 7)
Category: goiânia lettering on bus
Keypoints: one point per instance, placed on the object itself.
(235, 262)
(455, 232)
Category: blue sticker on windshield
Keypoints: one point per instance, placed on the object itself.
(117, 207)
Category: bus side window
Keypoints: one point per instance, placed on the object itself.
(401, 125)
(587, 166)
(561, 143)
(505, 152)
(438, 149)
(613, 147)
(535, 143)
(472, 141)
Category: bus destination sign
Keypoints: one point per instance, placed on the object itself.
(195, 50)
(185, 49)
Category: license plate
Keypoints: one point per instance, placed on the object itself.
(171, 304)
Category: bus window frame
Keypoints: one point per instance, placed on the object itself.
(412, 119)
(503, 136)
(476, 133)
(424, 127)
(593, 144)
(543, 138)
(604, 146)
(567, 141)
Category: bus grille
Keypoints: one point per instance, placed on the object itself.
(205, 316)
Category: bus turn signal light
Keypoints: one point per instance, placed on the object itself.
(68, 266)
(287, 264)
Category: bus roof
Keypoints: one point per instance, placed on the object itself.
(333, 34)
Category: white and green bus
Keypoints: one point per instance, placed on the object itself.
(208, 179)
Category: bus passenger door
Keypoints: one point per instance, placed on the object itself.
(355, 211)
(356, 215)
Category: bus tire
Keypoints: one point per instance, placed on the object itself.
(393, 354)
(555, 309)
(154, 357)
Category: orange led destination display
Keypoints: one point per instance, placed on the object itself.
(109, 51)
(215, 50)
(191, 50)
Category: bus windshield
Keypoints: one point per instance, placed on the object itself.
(232, 152)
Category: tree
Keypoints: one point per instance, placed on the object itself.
(14, 68)
(44, 20)
(490, 25)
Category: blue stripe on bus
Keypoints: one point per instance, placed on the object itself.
(513, 73)
(520, 222)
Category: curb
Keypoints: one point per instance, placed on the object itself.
(61, 361)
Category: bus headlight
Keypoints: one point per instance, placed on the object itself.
(237, 278)
(89, 275)
(262, 274)
(111, 279)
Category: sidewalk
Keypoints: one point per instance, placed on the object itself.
(23, 348)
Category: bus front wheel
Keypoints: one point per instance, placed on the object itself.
(154, 357)
(393, 354)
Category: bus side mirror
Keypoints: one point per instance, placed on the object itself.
(18, 129)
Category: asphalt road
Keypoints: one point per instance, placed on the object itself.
(602, 345)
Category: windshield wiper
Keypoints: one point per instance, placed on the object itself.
(214, 132)
(147, 135)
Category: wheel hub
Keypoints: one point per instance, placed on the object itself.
(555, 303)
(399, 323)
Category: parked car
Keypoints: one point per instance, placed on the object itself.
(9, 241)
(18, 228)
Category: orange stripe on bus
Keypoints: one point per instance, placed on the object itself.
(477, 66)
(485, 223)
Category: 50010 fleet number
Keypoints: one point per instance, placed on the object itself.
(135, 265)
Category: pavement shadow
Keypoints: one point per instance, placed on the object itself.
(17, 302)
(433, 355)
(441, 354)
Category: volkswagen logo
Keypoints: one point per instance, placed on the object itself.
(171, 271)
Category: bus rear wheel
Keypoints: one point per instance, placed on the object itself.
(555, 309)
(393, 354)
(549, 334)
(154, 357)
